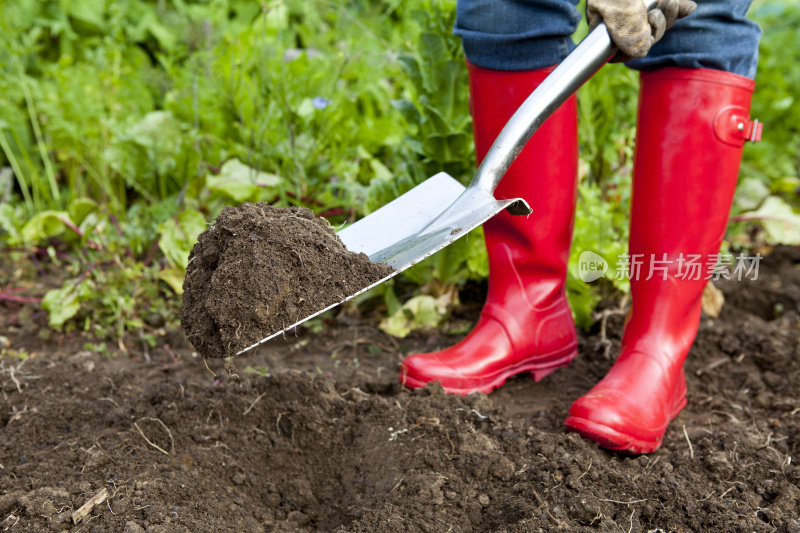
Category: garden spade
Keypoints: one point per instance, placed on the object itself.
(441, 210)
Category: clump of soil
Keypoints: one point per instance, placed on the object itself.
(259, 269)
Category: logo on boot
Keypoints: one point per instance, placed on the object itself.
(591, 266)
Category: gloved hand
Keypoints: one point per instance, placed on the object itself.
(633, 29)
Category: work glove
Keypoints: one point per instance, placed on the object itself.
(633, 29)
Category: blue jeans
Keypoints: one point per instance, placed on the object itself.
(531, 34)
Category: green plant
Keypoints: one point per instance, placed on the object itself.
(127, 126)
(767, 203)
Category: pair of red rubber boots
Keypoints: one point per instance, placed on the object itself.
(692, 125)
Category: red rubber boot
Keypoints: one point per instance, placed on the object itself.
(692, 126)
(526, 323)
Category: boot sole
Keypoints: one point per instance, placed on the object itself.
(486, 385)
(611, 439)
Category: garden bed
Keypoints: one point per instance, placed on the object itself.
(313, 433)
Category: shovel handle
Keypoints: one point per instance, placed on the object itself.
(593, 52)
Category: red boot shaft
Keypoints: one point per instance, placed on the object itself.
(691, 130)
(528, 256)
(526, 324)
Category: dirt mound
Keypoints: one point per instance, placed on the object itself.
(317, 435)
(259, 269)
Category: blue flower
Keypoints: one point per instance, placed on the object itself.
(320, 102)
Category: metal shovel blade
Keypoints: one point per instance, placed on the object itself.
(421, 222)
(414, 226)
(440, 210)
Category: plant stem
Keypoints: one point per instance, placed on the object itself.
(12, 159)
(48, 165)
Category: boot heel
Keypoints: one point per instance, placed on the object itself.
(539, 375)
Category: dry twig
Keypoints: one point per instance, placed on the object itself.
(90, 504)
(151, 443)
(691, 449)
(603, 316)
(621, 502)
(254, 403)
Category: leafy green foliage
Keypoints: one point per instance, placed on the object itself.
(162, 113)
(768, 196)
(126, 126)
(422, 311)
(240, 183)
(438, 106)
(774, 161)
(64, 303)
(178, 235)
(780, 224)
(601, 227)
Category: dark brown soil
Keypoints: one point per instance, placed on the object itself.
(259, 269)
(315, 434)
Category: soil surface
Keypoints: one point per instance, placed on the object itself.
(259, 269)
(315, 434)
